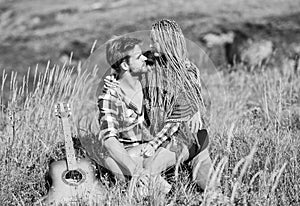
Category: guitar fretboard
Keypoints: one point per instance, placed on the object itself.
(70, 152)
(64, 113)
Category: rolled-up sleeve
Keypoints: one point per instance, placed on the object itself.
(108, 117)
(168, 130)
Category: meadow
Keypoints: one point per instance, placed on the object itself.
(254, 132)
(254, 121)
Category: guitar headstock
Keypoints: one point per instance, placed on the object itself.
(62, 110)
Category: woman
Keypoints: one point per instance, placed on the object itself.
(176, 77)
(180, 94)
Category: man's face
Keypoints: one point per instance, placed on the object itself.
(137, 64)
(154, 45)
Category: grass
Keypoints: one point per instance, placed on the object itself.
(254, 130)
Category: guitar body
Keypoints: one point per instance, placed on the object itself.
(83, 188)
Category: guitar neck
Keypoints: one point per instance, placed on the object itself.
(70, 152)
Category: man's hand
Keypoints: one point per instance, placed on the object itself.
(195, 122)
(148, 150)
(110, 82)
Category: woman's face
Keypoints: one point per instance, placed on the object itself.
(154, 45)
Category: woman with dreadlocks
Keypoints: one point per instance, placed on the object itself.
(175, 99)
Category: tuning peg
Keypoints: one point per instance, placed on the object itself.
(56, 110)
(69, 109)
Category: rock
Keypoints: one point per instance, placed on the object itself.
(212, 39)
(257, 52)
(239, 47)
(295, 63)
(290, 64)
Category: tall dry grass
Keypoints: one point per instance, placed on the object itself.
(254, 131)
(30, 130)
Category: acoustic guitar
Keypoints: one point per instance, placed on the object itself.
(73, 180)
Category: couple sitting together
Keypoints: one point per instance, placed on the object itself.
(151, 110)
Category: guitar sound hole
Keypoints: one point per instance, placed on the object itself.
(73, 176)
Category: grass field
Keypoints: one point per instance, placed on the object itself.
(255, 126)
(255, 116)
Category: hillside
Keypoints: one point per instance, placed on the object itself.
(36, 31)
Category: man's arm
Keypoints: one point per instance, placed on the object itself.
(109, 125)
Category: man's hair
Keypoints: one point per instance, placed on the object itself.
(117, 49)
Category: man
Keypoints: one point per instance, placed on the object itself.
(125, 57)
(121, 117)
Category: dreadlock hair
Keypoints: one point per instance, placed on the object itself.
(178, 70)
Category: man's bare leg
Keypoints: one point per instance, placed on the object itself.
(110, 164)
(120, 172)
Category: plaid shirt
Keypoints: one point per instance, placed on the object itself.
(119, 118)
(167, 131)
